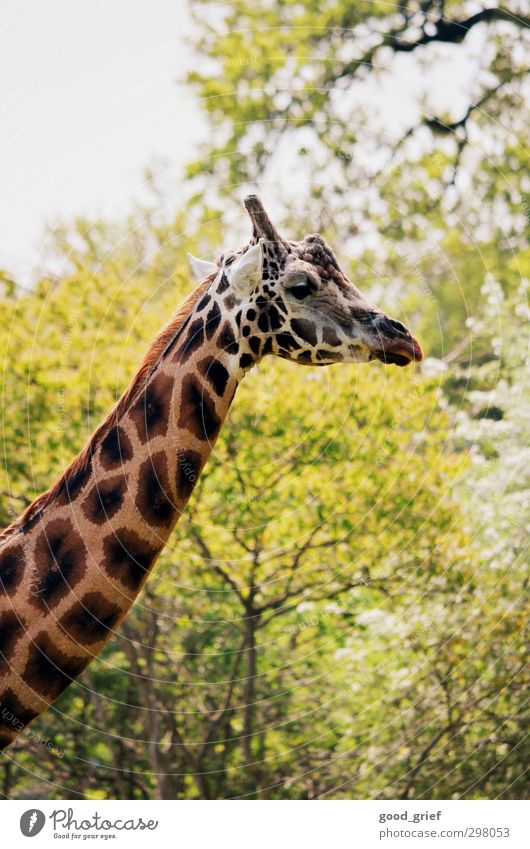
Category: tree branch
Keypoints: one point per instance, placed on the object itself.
(444, 31)
(220, 571)
(454, 32)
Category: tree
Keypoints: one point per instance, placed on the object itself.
(294, 68)
(426, 198)
(318, 505)
(343, 611)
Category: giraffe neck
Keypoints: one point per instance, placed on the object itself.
(72, 566)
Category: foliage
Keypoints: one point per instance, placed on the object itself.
(338, 111)
(343, 610)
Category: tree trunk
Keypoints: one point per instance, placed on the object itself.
(249, 695)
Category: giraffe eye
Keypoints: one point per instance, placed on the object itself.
(301, 290)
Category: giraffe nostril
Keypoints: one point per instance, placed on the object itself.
(392, 327)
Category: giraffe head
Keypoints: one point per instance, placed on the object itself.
(291, 299)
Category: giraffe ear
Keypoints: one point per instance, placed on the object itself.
(246, 271)
(200, 268)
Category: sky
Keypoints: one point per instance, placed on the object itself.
(88, 98)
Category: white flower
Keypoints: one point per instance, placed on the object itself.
(432, 366)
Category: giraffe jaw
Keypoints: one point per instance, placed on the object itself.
(400, 355)
(395, 359)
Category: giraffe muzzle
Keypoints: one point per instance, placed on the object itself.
(397, 344)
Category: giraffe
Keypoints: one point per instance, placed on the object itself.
(73, 563)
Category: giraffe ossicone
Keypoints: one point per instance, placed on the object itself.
(73, 563)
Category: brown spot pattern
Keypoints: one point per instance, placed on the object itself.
(72, 484)
(91, 619)
(189, 465)
(116, 448)
(13, 714)
(48, 670)
(11, 630)
(194, 339)
(197, 410)
(213, 320)
(60, 563)
(105, 499)
(150, 413)
(330, 337)
(153, 497)
(11, 568)
(227, 341)
(128, 558)
(305, 330)
(215, 373)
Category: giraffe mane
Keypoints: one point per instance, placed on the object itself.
(155, 355)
